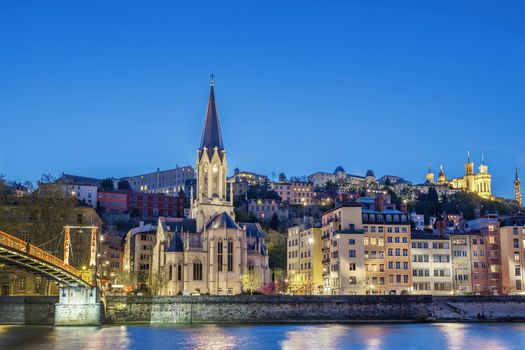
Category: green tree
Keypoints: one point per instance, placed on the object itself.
(274, 222)
(123, 185)
(282, 177)
(156, 282)
(262, 191)
(107, 184)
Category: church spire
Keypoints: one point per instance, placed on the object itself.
(211, 134)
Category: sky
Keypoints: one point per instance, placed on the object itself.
(118, 88)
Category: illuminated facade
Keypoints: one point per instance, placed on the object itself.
(431, 264)
(517, 189)
(512, 242)
(478, 183)
(209, 252)
(366, 251)
(304, 260)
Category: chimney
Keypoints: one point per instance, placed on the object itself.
(404, 207)
(379, 203)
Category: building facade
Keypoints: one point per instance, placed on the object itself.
(169, 181)
(431, 264)
(298, 193)
(512, 242)
(264, 209)
(304, 260)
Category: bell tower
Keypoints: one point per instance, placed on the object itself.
(517, 188)
(211, 166)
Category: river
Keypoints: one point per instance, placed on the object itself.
(493, 336)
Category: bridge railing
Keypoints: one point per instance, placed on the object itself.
(22, 246)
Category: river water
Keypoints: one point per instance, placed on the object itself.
(490, 336)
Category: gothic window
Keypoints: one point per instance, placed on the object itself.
(171, 272)
(230, 256)
(250, 265)
(179, 272)
(219, 256)
(197, 270)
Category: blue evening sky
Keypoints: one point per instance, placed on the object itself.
(115, 88)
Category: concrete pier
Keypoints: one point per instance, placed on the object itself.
(78, 306)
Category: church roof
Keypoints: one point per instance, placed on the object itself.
(222, 220)
(211, 134)
(178, 225)
(176, 244)
(252, 229)
(339, 169)
(370, 173)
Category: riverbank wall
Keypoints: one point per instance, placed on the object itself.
(276, 309)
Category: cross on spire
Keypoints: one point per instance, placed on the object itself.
(212, 79)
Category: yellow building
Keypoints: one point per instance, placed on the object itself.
(366, 251)
(478, 183)
(304, 260)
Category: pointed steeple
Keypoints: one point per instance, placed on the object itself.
(441, 170)
(211, 134)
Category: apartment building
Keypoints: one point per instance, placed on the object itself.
(431, 264)
(461, 261)
(304, 260)
(512, 243)
(299, 193)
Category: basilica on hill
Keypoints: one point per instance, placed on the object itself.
(477, 183)
(209, 252)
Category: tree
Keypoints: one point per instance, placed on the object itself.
(282, 177)
(123, 185)
(281, 281)
(274, 222)
(251, 281)
(262, 191)
(107, 184)
(156, 282)
(128, 279)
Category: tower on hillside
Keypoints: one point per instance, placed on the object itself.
(430, 176)
(211, 165)
(517, 188)
(442, 178)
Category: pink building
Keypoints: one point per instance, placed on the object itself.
(114, 201)
(295, 192)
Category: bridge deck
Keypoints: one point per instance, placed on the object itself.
(16, 252)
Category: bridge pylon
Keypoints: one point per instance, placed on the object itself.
(78, 306)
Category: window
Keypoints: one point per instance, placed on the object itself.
(230, 256)
(351, 266)
(197, 270)
(353, 280)
(22, 283)
(518, 284)
(219, 256)
(351, 241)
(179, 272)
(517, 270)
(351, 253)
(171, 272)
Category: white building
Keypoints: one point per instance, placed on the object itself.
(431, 264)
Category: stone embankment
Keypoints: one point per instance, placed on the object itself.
(245, 309)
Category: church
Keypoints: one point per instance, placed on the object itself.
(477, 183)
(209, 252)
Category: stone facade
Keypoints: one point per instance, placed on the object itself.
(209, 253)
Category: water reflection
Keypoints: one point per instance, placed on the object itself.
(254, 337)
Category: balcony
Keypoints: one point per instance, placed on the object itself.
(350, 231)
